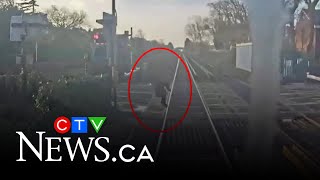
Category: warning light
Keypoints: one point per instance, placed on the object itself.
(96, 36)
(99, 39)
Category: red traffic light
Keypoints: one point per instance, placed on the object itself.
(96, 36)
(99, 38)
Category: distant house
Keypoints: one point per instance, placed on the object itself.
(308, 34)
(304, 31)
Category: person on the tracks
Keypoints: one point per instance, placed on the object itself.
(158, 70)
(161, 89)
(160, 73)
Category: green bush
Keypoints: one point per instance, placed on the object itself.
(73, 96)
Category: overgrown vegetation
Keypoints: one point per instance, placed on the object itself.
(45, 100)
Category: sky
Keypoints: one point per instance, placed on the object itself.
(159, 19)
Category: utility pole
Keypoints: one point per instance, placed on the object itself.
(131, 48)
(24, 72)
(23, 62)
(114, 7)
(113, 54)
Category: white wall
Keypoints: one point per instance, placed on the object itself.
(244, 56)
(37, 25)
(16, 29)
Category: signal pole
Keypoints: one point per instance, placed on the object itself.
(113, 45)
(114, 7)
(109, 23)
(131, 53)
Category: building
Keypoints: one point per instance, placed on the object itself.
(28, 26)
(307, 41)
(304, 33)
(308, 35)
(28, 29)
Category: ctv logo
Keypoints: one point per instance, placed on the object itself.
(56, 149)
(78, 125)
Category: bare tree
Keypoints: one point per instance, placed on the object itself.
(229, 11)
(6, 4)
(197, 29)
(140, 34)
(64, 18)
(28, 5)
(227, 23)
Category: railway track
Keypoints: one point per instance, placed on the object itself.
(299, 126)
(196, 139)
(215, 130)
